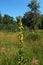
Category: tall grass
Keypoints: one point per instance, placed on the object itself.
(9, 48)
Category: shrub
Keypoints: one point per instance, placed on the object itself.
(34, 36)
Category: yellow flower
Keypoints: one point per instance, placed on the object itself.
(21, 38)
(20, 23)
(22, 35)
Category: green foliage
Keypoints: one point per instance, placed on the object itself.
(0, 18)
(31, 18)
(41, 22)
(33, 5)
(7, 23)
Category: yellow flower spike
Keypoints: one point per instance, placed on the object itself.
(21, 38)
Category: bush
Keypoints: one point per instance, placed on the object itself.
(34, 36)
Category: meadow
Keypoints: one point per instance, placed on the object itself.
(32, 48)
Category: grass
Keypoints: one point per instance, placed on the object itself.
(9, 48)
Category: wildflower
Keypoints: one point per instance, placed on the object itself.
(21, 58)
(22, 35)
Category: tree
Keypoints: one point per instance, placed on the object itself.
(32, 17)
(0, 18)
(41, 22)
(8, 19)
(1, 24)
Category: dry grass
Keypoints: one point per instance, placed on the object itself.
(10, 37)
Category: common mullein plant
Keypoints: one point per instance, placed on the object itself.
(21, 59)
